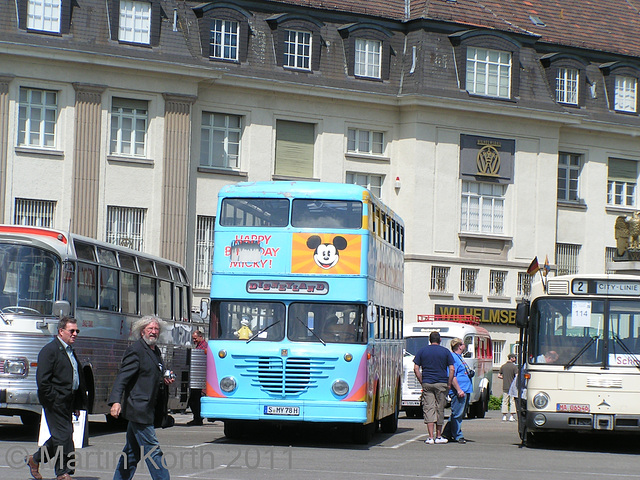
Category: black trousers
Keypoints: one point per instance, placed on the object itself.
(60, 423)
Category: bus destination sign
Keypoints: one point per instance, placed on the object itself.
(288, 286)
(606, 287)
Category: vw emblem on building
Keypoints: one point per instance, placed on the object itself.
(488, 161)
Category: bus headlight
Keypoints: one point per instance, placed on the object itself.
(539, 420)
(541, 400)
(15, 366)
(340, 387)
(228, 384)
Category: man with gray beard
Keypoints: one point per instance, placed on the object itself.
(137, 395)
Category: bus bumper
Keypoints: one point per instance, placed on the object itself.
(295, 411)
(14, 400)
(563, 421)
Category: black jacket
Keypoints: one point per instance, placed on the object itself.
(139, 386)
(55, 379)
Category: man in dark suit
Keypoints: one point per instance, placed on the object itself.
(138, 394)
(61, 391)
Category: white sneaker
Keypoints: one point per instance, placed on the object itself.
(429, 441)
(511, 419)
(504, 418)
(441, 440)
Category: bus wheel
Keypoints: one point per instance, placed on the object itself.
(482, 405)
(233, 429)
(362, 434)
(389, 424)
(30, 419)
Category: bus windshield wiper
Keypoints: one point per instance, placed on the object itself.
(636, 361)
(263, 330)
(575, 358)
(311, 330)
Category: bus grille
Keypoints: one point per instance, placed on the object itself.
(285, 376)
(412, 381)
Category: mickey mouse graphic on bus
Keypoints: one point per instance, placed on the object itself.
(326, 255)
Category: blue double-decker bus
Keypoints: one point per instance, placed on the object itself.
(305, 309)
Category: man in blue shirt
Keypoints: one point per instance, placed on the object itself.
(436, 377)
(460, 393)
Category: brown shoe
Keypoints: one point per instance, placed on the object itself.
(34, 467)
(64, 476)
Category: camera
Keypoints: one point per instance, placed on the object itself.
(169, 375)
(471, 373)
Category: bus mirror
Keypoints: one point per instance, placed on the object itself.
(204, 308)
(467, 355)
(61, 308)
(371, 313)
(522, 314)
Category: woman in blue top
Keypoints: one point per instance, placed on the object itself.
(460, 393)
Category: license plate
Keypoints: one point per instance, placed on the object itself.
(273, 410)
(573, 407)
(411, 403)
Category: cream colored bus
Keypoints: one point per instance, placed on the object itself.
(580, 356)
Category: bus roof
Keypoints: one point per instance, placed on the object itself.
(61, 241)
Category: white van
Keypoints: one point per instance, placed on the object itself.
(479, 357)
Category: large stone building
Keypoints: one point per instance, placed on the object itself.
(500, 130)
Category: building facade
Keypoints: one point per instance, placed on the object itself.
(497, 132)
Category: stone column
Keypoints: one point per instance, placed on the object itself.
(5, 80)
(175, 177)
(86, 159)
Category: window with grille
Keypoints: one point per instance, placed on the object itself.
(567, 85)
(497, 281)
(482, 207)
(129, 120)
(569, 165)
(468, 280)
(224, 40)
(135, 22)
(34, 213)
(125, 226)
(622, 182)
(625, 93)
(488, 72)
(609, 254)
(498, 348)
(44, 15)
(524, 285)
(204, 251)
(439, 279)
(567, 256)
(365, 141)
(220, 140)
(366, 180)
(37, 115)
(297, 49)
(368, 58)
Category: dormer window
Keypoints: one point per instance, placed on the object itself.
(368, 58)
(44, 15)
(488, 72)
(567, 85)
(297, 49)
(224, 40)
(135, 22)
(625, 94)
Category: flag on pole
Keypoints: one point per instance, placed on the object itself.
(533, 267)
(546, 266)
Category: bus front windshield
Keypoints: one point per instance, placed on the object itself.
(572, 332)
(305, 322)
(28, 280)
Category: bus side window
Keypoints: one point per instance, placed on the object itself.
(87, 287)
(129, 292)
(147, 295)
(108, 289)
